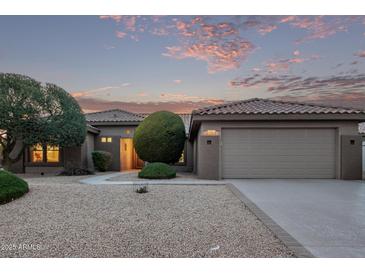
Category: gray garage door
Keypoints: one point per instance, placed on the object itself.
(278, 153)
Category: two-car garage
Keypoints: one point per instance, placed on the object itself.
(261, 138)
(278, 153)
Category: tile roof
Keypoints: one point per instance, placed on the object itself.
(267, 106)
(118, 115)
(186, 117)
(113, 115)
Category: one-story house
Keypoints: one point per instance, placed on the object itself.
(256, 138)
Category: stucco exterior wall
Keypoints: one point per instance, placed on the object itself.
(90, 147)
(342, 128)
(351, 157)
(188, 154)
(116, 133)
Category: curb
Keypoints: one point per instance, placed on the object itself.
(299, 250)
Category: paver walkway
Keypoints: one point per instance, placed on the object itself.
(131, 177)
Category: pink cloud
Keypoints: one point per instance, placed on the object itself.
(219, 57)
(178, 81)
(116, 18)
(142, 94)
(182, 97)
(283, 64)
(85, 93)
(318, 27)
(120, 34)
(287, 19)
(130, 22)
(219, 41)
(267, 29)
(360, 53)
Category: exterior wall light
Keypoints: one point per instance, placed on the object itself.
(210, 132)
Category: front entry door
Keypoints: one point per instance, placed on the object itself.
(126, 154)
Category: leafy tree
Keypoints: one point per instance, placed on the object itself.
(33, 113)
(160, 137)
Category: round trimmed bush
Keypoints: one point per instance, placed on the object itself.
(157, 171)
(102, 160)
(11, 187)
(160, 138)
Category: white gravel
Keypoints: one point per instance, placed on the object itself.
(62, 218)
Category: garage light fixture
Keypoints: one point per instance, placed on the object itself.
(210, 132)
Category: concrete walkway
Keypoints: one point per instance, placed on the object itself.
(327, 217)
(131, 177)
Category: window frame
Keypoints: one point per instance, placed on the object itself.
(28, 158)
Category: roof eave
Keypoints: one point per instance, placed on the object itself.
(114, 123)
(198, 119)
(307, 116)
(92, 129)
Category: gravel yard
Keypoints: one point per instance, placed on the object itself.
(62, 218)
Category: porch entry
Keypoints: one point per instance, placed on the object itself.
(128, 156)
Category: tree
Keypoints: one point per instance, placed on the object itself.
(33, 113)
(160, 137)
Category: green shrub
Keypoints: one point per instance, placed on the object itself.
(157, 171)
(102, 160)
(11, 187)
(160, 138)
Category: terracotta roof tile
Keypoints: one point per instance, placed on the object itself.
(266, 106)
(113, 115)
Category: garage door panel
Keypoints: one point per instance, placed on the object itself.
(278, 153)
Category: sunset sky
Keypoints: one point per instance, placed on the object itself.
(179, 63)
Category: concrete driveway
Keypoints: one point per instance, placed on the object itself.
(327, 217)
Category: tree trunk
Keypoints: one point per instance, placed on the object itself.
(7, 160)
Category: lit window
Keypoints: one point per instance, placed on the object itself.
(182, 158)
(53, 154)
(127, 131)
(36, 154)
(210, 132)
(106, 139)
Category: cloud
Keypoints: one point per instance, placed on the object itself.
(360, 54)
(316, 27)
(90, 92)
(262, 24)
(89, 104)
(219, 40)
(177, 81)
(299, 85)
(350, 99)
(142, 94)
(283, 64)
(116, 18)
(120, 34)
(182, 97)
(219, 57)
